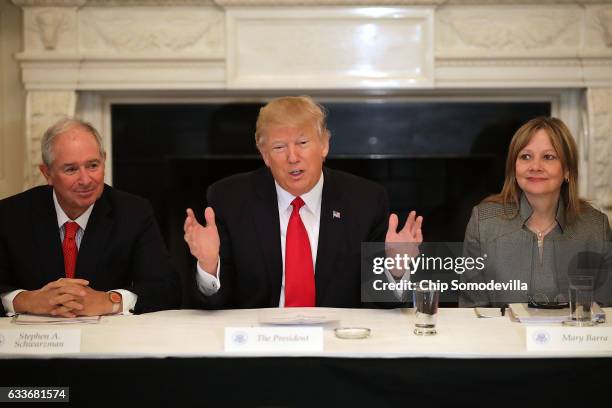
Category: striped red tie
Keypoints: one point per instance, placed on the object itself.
(69, 247)
(299, 272)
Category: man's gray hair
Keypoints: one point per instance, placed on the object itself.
(63, 126)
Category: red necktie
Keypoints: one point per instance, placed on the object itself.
(299, 272)
(69, 248)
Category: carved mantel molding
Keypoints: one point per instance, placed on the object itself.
(553, 42)
(399, 45)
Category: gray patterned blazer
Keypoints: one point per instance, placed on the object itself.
(511, 253)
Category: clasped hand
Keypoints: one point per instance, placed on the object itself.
(64, 297)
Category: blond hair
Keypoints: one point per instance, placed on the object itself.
(291, 111)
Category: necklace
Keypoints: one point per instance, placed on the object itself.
(541, 234)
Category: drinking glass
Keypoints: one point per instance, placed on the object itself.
(426, 307)
(580, 300)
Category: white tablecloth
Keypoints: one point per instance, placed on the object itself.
(198, 333)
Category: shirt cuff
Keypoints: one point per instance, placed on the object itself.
(207, 283)
(7, 301)
(399, 291)
(128, 299)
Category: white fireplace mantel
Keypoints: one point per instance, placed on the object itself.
(76, 48)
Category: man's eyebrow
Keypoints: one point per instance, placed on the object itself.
(76, 164)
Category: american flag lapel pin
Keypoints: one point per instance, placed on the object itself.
(336, 214)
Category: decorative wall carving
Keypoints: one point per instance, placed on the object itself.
(50, 23)
(599, 101)
(511, 29)
(50, 29)
(598, 28)
(43, 108)
(165, 30)
(604, 18)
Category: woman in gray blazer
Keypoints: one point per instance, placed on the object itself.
(536, 233)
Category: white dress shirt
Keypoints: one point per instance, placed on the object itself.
(128, 298)
(311, 217)
(310, 214)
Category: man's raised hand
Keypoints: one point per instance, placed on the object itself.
(203, 241)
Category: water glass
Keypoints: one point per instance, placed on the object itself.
(426, 308)
(581, 300)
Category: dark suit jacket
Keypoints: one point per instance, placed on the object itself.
(246, 210)
(122, 248)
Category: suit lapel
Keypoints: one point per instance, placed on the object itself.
(48, 240)
(331, 229)
(267, 226)
(98, 230)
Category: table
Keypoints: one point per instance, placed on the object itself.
(177, 356)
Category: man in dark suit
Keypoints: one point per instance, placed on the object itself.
(290, 234)
(77, 246)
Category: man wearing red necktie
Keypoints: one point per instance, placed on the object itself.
(290, 234)
(77, 246)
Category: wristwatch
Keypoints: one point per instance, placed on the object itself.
(115, 298)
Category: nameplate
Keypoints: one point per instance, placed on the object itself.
(287, 339)
(547, 338)
(37, 341)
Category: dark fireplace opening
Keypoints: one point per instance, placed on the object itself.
(438, 158)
